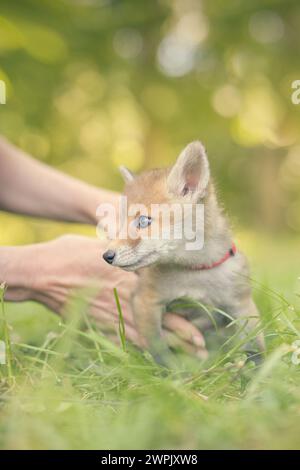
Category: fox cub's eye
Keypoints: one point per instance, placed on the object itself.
(143, 221)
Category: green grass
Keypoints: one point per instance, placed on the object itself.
(71, 388)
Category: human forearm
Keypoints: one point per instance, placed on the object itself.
(33, 188)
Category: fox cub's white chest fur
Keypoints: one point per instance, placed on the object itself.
(212, 274)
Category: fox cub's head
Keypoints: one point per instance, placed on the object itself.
(160, 204)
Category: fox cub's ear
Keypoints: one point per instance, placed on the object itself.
(128, 177)
(190, 174)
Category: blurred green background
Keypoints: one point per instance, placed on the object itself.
(92, 84)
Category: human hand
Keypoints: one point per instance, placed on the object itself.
(72, 263)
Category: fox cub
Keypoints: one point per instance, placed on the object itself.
(170, 267)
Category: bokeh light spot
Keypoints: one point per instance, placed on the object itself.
(128, 43)
(226, 101)
(266, 27)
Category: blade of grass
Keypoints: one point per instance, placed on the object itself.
(93, 334)
(6, 336)
(121, 320)
(266, 370)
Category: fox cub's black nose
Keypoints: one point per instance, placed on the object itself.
(109, 256)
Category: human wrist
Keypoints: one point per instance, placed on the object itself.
(17, 271)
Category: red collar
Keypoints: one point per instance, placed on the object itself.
(228, 255)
